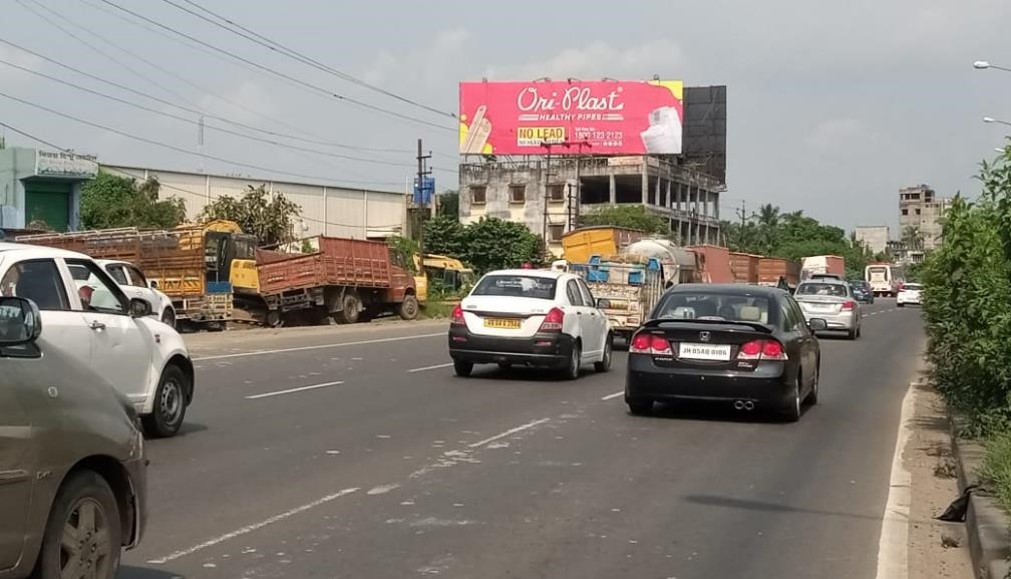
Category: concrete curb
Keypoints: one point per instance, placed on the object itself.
(986, 522)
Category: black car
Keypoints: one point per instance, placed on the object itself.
(743, 344)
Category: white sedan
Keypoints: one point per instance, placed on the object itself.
(530, 317)
(97, 325)
(909, 294)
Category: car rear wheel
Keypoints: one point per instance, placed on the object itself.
(812, 397)
(640, 407)
(169, 404)
(852, 334)
(463, 369)
(571, 370)
(791, 412)
(900, 305)
(83, 536)
(605, 360)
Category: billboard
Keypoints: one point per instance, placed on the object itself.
(568, 118)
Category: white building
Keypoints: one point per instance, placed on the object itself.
(332, 210)
(874, 237)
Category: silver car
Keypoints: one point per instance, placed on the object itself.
(832, 301)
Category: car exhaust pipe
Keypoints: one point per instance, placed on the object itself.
(749, 405)
(738, 405)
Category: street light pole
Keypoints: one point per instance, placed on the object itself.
(984, 64)
(997, 121)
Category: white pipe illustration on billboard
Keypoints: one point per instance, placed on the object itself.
(477, 135)
(663, 137)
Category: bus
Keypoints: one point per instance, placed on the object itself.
(884, 278)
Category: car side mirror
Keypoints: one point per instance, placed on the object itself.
(603, 303)
(817, 325)
(139, 308)
(153, 284)
(20, 322)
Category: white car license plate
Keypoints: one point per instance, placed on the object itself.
(720, 352)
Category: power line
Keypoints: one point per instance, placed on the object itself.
(291, 79)
(180, 78)
(187, 109)
(199, 123)
(174, 148)
(34, 138)
(291, 53)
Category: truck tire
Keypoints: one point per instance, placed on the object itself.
(273, 319)
(350, 306)
(409, 307)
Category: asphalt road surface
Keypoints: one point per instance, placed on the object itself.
(356, 453)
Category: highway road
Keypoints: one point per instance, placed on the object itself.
(356, 453)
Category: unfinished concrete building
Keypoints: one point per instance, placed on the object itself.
(549, 193)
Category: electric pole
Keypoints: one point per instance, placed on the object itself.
(420, 190)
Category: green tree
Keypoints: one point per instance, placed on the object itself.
(486, 245)
(270, 217)
(404, 249)
(445, 236)
(631, 216)
(448, 205)
(912, 238)
(109, 201)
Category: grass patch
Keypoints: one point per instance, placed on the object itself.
(438, 310)
(996, 469)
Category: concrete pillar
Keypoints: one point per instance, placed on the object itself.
(656, 198)
(614, 190)
(666, 199)
(645, 182)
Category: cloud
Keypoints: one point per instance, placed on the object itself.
(598, 60)
(836, 134)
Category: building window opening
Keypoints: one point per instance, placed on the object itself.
(517, 193)
(478, 194)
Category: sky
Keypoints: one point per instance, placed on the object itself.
(832, 106)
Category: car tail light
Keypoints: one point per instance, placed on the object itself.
(553, 321)
(762, 350)
(457, 318)
(650, 344)
(640, 344)
(849, 305)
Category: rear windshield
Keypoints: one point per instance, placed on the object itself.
(822, 289)
(913, 286)
(726, 307)
(517, 286)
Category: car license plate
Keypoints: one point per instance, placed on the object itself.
(822, 307)
(719, 352)
(502, 323)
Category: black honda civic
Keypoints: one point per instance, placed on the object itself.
(743, 344)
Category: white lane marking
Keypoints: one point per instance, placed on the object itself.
(253, 527)
(291, 390)
(426, 368)
(612, 396)
(319, 347)
(509, 432)
(893, 547)
(382, 489)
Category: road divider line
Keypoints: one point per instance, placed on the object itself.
(893, 547)
(293, 390)
(427, 368)
(509, 432)
(318, 347)
(254, 527)
(612, 396)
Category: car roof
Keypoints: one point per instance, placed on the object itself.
(545, 273)
(39, 251)
(727, 289)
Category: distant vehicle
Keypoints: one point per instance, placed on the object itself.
(580, 244)
(73, 480)
(135, 284)
(629, 288)
(823, 265)
(532, 317)
(832, 301)
(909, 294)
(884, 278)
(93, 322)
(817, 276)
(862, 292)
(744, 344)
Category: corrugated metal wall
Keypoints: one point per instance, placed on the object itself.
(333, 211)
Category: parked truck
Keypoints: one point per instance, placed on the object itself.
(581, 244)
(629, 286)
(775, 271)
(191, 264)
(714, 263)
(349, 280)
(744, 267)
(825, 265)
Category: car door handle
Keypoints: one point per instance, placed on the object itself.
(97, 325)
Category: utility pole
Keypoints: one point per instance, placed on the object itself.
(544, 197)
(419, 188)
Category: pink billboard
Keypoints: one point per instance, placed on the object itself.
(568, 118)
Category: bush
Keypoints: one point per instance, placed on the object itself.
(486, 245)
(996, 469)
(967, 289)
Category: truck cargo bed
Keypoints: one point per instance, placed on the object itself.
(335, 262)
